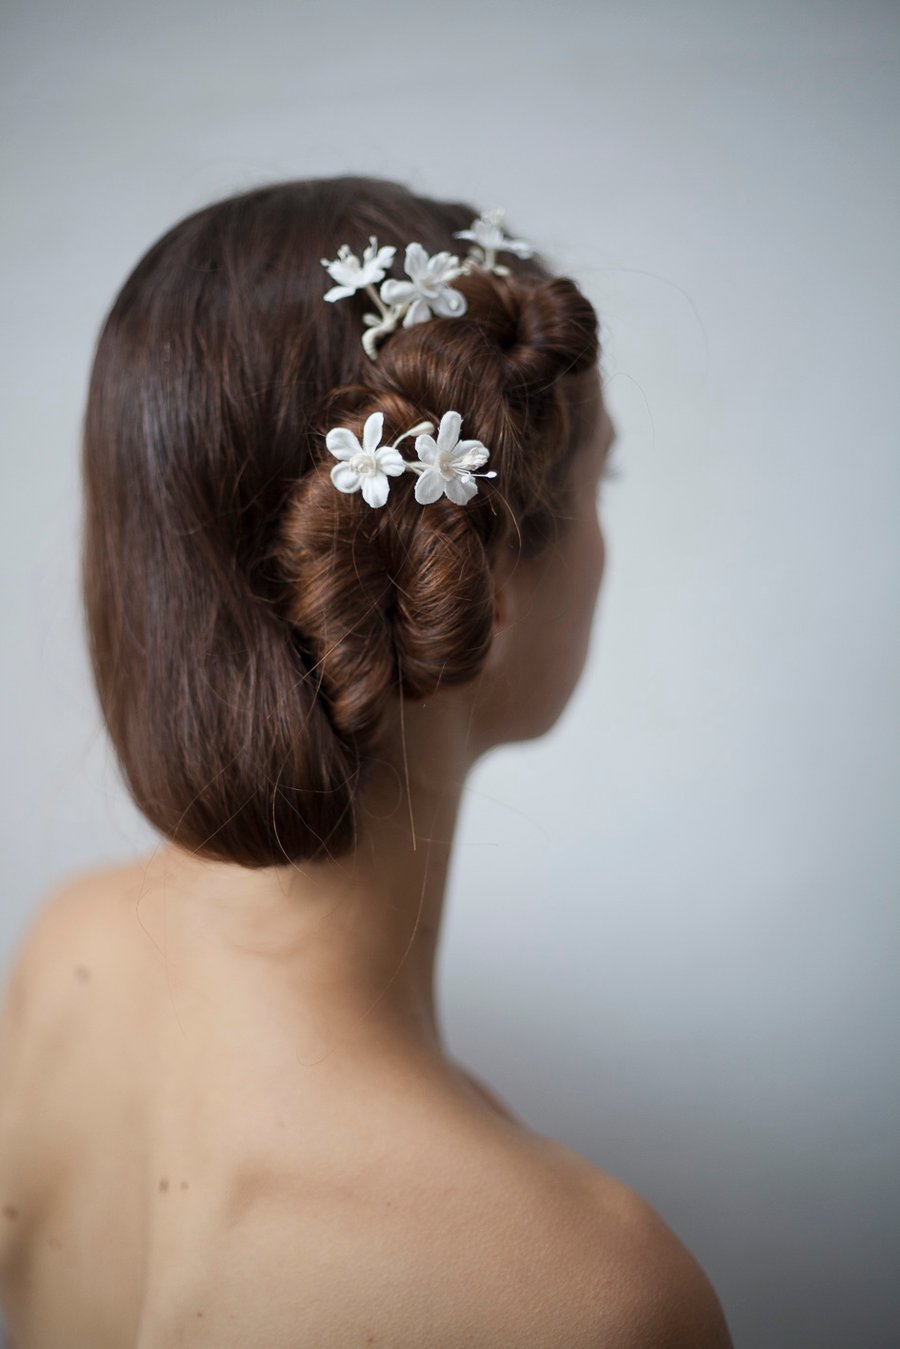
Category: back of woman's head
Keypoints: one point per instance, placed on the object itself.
(248, 623)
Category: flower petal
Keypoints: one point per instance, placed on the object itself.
(375, 489)
(517, 246)
(449, 303)
(426, 448)
(472, 453)
(339, 292)
(390, 460)
(460, 490)
(448, 431)
(438, 263)
(345, 478)
(418, 312)
(342, 443)
(397, 292)
(416, 260)
(372, 431)
(429, 486)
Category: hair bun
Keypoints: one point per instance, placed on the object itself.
(537, 329)
(399, 597)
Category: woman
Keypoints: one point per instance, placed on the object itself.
(228, 1117)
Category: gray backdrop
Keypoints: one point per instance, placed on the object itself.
(672, 935)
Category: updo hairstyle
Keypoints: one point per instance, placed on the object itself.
(247, 622)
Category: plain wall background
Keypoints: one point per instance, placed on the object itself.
(671, 934)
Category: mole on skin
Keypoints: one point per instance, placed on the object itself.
(10, 1211)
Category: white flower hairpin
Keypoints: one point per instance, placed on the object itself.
(489, 240)
(445, 466)
(351, 274)
(428, 292)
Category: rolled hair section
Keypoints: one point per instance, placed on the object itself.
(397, 599)
(248, 624)
(507, 366)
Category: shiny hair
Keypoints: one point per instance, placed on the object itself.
(247, 622)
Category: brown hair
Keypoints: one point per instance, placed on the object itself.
(247, 622)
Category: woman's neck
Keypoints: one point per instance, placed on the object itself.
(347, 947)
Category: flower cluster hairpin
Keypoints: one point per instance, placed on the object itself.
(428, 291)
(445, 466)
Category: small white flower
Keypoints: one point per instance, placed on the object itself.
(428, 291)
(448, 463)
(488, 240)
(365, 467)
(353, 275)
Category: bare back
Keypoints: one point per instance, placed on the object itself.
(160, 1189)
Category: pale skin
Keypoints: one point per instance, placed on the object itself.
(228, 1116)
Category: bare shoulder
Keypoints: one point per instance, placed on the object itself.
(51, 958)
(67, 924)
(629, 1281)
(66, 938)
(35, 1011)
(494, 1235)
(559, 1252)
